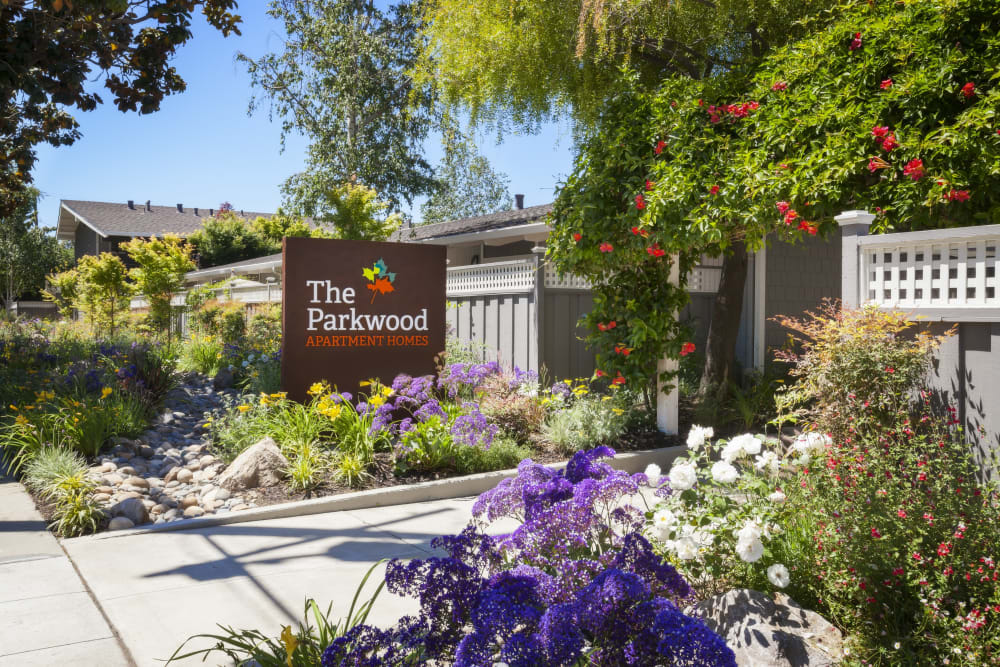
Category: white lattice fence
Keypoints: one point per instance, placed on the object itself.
(943, 270)
(493, 278)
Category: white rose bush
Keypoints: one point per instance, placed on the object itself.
(722, 524)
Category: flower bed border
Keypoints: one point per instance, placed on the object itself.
(440, 489)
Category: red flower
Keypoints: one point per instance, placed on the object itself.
(640, 232)
(640, 202)
(714, 189)
(886, 85)
(606, 247)
(782, 206)
(914, 169)
(880, 132)
(577, 236)
(649, 184)
(601, 326)
(873, 166)
(779, 85)
(898, 571)
(890, 369)
(660, 145)
(599, 373)
(901, 514)
(957, 195)
(968, 90)
(944, 549)
(621, 349)
(656, 251)
(618, 380)
(856, 42)
(889, 143)
(808, 227)
(686, 349)
(875, 533)
(790, 216)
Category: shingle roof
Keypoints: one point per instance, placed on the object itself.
(479, 223)
(117, 219)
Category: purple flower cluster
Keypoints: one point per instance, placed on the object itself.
(486, 602)
(463, 379)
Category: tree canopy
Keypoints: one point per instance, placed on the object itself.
(891, 107)
(27, 251)
(52, 49)
(342, 81)
(526, 62)
(468, 185)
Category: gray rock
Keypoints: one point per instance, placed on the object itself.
(131, 508)
(770, 633)
(193, 511)
(223, 379)
(121, 523)
(147, 451)
(171, 514)
(104, 489)
(126, 471)
(240, 507)
(184, 475)
(259, 465)
(149, 504)
(113, 479)
(221, 494)
(102, 497)
(189, 501)
(206, 460)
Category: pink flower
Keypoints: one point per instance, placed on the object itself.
(856, 42)
(968, 90)
(714, 189)
(914, 169)
(606, 247)
(640, 202)
(880, 132)
(957, 195)
(782, 206)
(779, 85)
(889, 143)
(886, 85)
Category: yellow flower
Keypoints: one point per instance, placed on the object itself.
(317, 388)
(617, 411)
(290, 642)
(106, 392)
(13, 407)
(243, 408)
(21, 420)
(376, 401)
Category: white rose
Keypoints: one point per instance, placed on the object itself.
(749, 551)
(748, 443)
(777, 574)
(724, 473)
(768, 462)
(686, 549)
(653, 473)
(698, 435)
(777, 497)
(731, 451)
(683, 476)
(664, 520)
(751, 530)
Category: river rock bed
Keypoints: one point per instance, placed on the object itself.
(167, 473)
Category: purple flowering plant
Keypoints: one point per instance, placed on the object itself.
(575, 583)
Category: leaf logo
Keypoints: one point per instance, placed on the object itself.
(380, 278)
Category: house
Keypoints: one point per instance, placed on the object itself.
(95, 226)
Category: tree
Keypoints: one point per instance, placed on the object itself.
(159, 274)
(355, 212)
(27, 252)
(468, 185)
(526, 62)
(889, 107)
(52, 49)
(280, 225)
(63, 290)
(228, 238)
(342, 80)
(103, 290)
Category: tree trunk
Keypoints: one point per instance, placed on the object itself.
(720, 349)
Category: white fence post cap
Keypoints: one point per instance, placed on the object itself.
(854, 218)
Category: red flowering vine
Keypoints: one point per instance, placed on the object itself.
(779, 86)
(577, 236)
(914, 169)
(714, 190)
(640, 202)
(606, 247)
(886, 84)
(969, 90)
(656, 251)
(856, 42)
(686, 349)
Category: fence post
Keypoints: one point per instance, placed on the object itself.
(667, 405)
(539, 295)
(853, 225)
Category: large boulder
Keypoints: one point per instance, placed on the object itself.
(260, 465)
(765, 632)
(224, 379)
(132, 509)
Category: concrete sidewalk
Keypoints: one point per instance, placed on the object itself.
(48, 617)
(158, 589)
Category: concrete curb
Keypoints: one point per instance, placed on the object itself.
(442, 489)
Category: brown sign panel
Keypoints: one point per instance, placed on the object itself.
(358, 310)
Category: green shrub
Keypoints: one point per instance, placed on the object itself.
(202, 354)
(516, 411)
(77, 513)
(428, 447)
(264, 327)
(303, 648)
(350, 470)
(50, 466)
(504, 453)
(589, 421)
(149, 373)
(307, 465)
(233, 324)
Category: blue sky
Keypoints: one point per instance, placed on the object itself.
(201, 148)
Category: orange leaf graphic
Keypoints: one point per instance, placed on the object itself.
(380, 286)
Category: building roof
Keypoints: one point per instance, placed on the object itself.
(479, 223)
(266, 263)
(119, 219)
